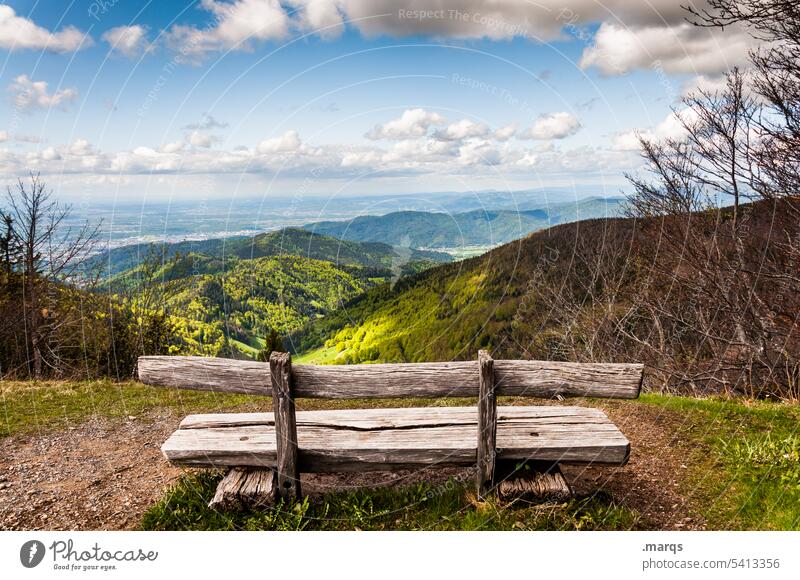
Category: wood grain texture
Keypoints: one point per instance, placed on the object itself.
(535, 485)
(386, 439)
(286, 464)
(487, 426)
(245, 488)
(543, 379)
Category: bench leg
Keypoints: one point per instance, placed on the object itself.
(533, 481)
(280, 364)
(245, 488)
(487, 427)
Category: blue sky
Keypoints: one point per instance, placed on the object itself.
(125, 100)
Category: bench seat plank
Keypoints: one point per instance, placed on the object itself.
(385, 439)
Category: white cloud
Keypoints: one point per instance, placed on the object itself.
(28, 95)
(200, 139)
(672, 127)
(321, 16)
(129, 40)
(288, 142)
(682, 48)
(462, 130)
(631, 35)
(419, 151)
(553, 126)
(506, 133)
(3, 136)
(173, 147)
(478, 152)
(50, 154)
(80, 147)
(236, 26)
(17, 32)
(412, 123)
(361, 158)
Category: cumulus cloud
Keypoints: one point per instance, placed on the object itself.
(412, 123)
(672, 127)
(479, 152)
(17, 32)
(505, 133)
(289, 158)
(462, 130)
(80, 147)
(50, 154)
(682, 48)
(128, 40)
(553, 126)
(236, 26)
(200, 139)
(286, 143)
(418, 151)
(28, 95)
(320, 16)
(173, 147)
(365, 158)
(631, 35)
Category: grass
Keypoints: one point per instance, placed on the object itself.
(742, 460)
(29, 407)
(450, 506)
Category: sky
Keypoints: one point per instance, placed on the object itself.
(118, 100)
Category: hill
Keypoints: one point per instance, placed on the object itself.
(291, 241)
(423, 229)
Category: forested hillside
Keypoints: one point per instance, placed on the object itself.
(230, 299)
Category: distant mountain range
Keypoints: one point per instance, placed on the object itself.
(423, 229)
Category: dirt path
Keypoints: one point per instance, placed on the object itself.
(104, 474)
(652, 480)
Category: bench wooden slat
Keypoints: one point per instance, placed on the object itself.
(404, 417)
(543, 379)
(399, 438)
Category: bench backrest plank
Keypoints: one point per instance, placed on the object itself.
(543, 379)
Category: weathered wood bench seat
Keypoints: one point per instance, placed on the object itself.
(267, 451)
(380, 439)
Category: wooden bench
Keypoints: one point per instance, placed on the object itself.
(268, 451)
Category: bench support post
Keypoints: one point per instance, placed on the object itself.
(487, 426)
(280, 366)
